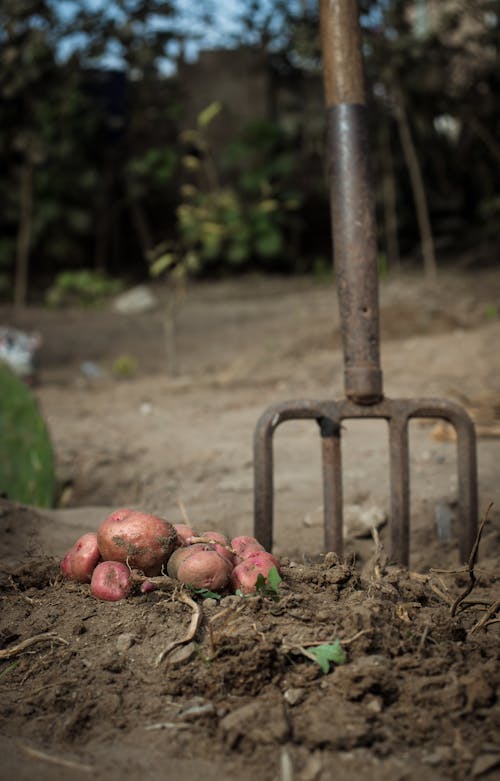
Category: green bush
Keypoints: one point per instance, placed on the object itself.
(27, 471)
(81, 288)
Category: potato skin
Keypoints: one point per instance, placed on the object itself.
(111, 581)
(143, 541)
(205, 569)
(182, 553)
(241, 543)
(221, 544)
(244, 575)
(81, 560)
(184, 532)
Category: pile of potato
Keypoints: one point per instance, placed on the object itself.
(131, 546)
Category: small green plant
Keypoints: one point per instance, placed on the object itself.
(492, 312)
(326, 654)
(269, 587)
(205, 593)
(27, 472)
(124, 367)
(81, 288)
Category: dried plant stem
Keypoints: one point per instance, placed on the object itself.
(192, 629)
(488, 617)
(8, 653)
(36, 754)
(470, 566)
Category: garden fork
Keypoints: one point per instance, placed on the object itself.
(355, 260)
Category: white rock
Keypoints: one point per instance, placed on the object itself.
(136, 300)
(359, 521)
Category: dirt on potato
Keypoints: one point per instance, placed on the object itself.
(82, 690)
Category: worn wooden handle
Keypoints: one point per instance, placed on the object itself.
(341, 47)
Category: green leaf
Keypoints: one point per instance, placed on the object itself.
(268, 587)
(326, 653)
(209, 113)
(274, 578)
(162, 264)
(206, 593)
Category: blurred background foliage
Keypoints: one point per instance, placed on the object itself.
(119, 153)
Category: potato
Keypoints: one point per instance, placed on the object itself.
(81, 560)
(221, 544)
(241, 543)
(184, 533)
(204, 569)
(111, 581)
(244, 575)
(182, 553)
(141, 540)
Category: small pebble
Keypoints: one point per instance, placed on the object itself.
(294, 696)
(125, 641)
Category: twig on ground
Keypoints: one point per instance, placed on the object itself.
(488, 617)
(20, 593)
(8, 653)
(314, 643)
(61, 761)
(228, 614)
(184, 512)
(286, 766)
(470, 566)
(379, 558)
(192, 629)
(423, 638)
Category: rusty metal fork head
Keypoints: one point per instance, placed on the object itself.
(397, 412)
(355, 260)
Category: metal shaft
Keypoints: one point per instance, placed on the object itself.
(351, 200)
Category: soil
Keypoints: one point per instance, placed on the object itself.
(419, 692)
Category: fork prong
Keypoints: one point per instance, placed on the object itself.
(400, 488)
(332, 485)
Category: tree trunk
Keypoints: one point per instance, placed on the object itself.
(24, 236)
(141, 228)
(417, 184)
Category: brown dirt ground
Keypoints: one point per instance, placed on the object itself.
(420, 691)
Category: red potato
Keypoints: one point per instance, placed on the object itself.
(184, 533)
(244, 575)
(241, 543)
(221, 544)
(205, 569)
(180, 554)
(139, 539)
(81, 560)
(111, 581)
(250, 549)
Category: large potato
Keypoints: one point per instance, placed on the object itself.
(143, 541)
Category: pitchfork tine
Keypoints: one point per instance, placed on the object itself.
(355, 253)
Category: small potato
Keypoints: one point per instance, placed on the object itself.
(184, 533)
(205, 569)
(241, 543)
(221, 544)
(244, 575)
(139, 539)
(111, 581)
(81, 560)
